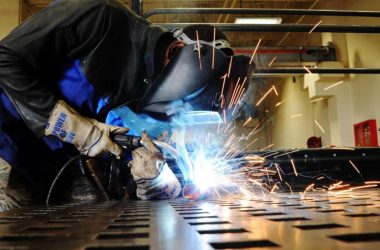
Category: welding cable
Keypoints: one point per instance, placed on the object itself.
(68, 163)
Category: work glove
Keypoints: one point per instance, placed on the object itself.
(153, 177)
(90, 137)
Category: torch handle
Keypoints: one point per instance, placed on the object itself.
(128, 142)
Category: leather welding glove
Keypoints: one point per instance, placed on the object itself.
(153, 177)
(90, 137)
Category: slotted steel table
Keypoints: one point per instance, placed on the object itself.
(278, 221)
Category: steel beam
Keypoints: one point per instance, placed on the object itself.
(285, 70)
(137, 6)
(342, 13)
(282, 27)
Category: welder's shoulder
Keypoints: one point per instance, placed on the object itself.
(80, 7)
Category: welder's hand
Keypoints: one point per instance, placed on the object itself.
(152, 174)
(147, 160)
(90, 137)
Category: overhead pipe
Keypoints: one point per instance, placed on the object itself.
(306, 12)
(287, 70)
(137, 6)
(264, 55)
(282, 27)
(298, 21)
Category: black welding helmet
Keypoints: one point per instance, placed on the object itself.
(195, 77)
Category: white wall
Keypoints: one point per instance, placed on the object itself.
(289, 131)
(9, 16)
(356, 100)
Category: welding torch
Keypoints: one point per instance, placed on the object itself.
(129, 142)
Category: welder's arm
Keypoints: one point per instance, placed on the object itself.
(33, 54)
(90, 137)
(153, 177)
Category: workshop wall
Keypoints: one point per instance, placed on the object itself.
(364, 51)
(353, 101)
(9, 16)
(292, 122)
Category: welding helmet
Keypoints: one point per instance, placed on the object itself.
(202, 75)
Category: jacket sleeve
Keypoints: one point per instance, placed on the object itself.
(32, 54)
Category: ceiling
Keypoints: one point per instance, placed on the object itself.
(238, 39)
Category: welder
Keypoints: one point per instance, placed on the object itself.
(67, 66)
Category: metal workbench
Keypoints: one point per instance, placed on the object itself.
(277, 221)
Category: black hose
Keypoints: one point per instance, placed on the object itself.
(73, 159)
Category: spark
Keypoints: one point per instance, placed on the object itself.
(333, 85)
(355, 188)
(297, 115)
(294, 167)
(279, 103)
(275, 90)
(320, 178)
(238, 99)
(245, 79)
(333, 186)
(357, 170)
(372, 182)
(267, 146)
(254, 159)
(224, 116)
(265, 95)
(231, 129)
(268, 171)
(227, 127)
(271, 62)
(213, 50)
(254, 129)
(199, 50)
(342, 186)
(273, 188)
(229, 140)
(291, 190)
(254, 52)
(288, 153)
(316, 100)
(241, 92)
(307, 69)
(222, 93)
(271, 154)
(362, 187)
(307, 189)
(320, 127)
(250, 143)
(217, 130)
(315, 27)
(278, 172)
(247, 121)
(234, 93)
(229, 67)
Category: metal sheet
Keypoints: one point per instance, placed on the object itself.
(276, 221)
